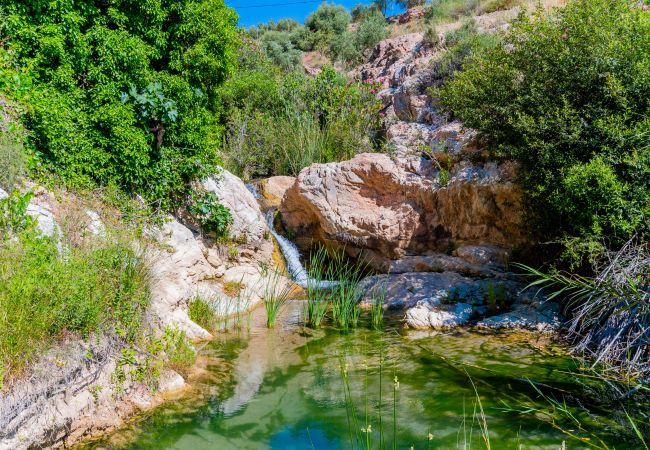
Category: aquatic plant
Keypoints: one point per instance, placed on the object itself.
(202, 313)
(276, 294)
(317, 297)
(378, 297)
(344, 297)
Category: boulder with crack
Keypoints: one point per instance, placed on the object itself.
(384, 209)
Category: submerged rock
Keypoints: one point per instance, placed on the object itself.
(448, 299)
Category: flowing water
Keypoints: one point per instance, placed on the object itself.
(292, 258)
(286, 389)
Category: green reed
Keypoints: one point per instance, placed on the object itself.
(276, 293)
(317, 297)
(378, 297)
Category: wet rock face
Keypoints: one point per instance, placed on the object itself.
(391, 209)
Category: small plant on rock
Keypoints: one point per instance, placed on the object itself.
(214, 217)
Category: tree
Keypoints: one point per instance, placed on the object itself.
(123, 92)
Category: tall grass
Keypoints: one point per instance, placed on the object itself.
(202, 313)
(317, 298)
(276, 294)
(610, 313)
(44, 295)
(344, 297)
(378, 298)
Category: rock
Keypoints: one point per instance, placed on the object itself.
(436, 316)
(170, 381)
(273, 189)
(373, 203)
(95, 226)
(439, 262)
(483, 255)
(248, 224)
(214, 257)
(535, 315)
(391, 56)
(405, 291)
(177, 266)
(448, 299)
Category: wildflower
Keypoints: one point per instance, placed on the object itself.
(368, 429)
(430, 436)
(396, 382)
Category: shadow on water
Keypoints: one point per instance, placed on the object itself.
(284, 389)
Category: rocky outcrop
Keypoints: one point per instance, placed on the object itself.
(70, 393)
(449, 299)
(385, 209)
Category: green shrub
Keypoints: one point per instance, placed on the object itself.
(323, 119)
(12, 161)
(214, 217)
(443, 11)
(497, 5)
(328, 19)
(169, 58)
(567, 96)
(281, 50)
(361, 12)
(459, 45)
(43, 297)
(202, 313)
(178, 349)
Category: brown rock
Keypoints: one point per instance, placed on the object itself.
(273, 189)
(377, 205)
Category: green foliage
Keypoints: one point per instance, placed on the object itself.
(328, 20)
(94, 289)
(12, 155)
(361, 12)
(13, 214)
(214, 217)
(351, 47)
(444, 11)
(281, 50)
(276, 294)
(178, 349)
(319, 119)
(567, 96)
(458, 45)
(202, 313)
(79, 60)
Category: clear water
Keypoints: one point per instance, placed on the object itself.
(284, 389)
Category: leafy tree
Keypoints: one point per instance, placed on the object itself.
(568, 95)
(329, 19)
(122, 92)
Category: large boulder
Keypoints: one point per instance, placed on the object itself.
(248, 222)
(385, 209)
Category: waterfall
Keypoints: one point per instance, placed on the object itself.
(292, 257)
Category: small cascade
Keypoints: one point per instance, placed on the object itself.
(292, 257)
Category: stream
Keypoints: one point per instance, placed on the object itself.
(285, 388)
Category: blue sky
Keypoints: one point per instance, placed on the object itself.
(253, 16)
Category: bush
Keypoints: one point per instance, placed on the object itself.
(43, 297)
(567, 96)
(459, 45)
(212, 215)
(323, 119)
(361, 12)
(328, 19)
(94, 70)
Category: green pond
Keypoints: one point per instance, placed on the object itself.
(295, 388)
